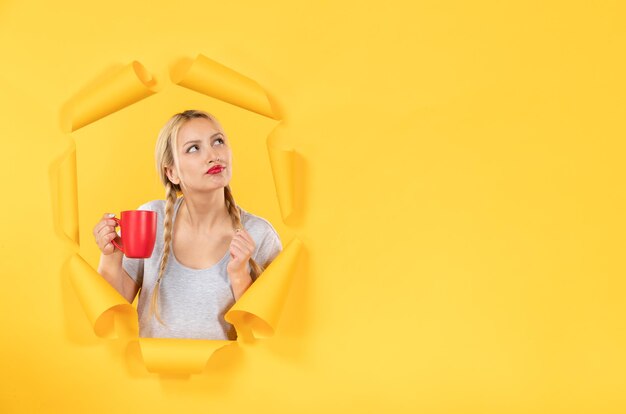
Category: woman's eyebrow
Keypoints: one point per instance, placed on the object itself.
(197, 140)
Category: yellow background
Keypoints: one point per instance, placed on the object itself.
(463, 212)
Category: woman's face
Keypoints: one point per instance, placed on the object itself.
(200, 147)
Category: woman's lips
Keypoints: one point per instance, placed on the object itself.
(215, 170)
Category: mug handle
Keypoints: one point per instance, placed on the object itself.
(113, 241)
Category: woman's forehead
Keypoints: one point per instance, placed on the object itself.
(196, 128)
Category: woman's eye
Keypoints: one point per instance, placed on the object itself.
(193, 146)
(220, 140)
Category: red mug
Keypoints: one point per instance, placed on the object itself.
(138, 233)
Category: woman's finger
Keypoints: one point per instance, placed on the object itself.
(102, 231)
(104, 240)
(245, 246)
(236, 252)
(107, 244)
(105, 231)
(235, 248)
(245, 236)
(242, 249)
(243, 243)
(103, 224)
(107, 219)
(98, 227)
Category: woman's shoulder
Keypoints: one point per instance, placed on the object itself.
(257, 225)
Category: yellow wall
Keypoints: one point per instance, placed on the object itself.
(461, 202)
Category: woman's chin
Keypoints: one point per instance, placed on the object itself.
(214, 185)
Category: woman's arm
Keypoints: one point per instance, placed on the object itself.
(240, 282)
(110, 268)
(241, 248)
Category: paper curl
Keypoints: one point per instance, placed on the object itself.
(110, 315)
(126, 86)
(213, 79)
(282, 159)
(257, 312)
(178, 356)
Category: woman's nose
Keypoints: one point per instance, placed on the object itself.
(214, 156)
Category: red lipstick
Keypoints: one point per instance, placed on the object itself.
(215, 170)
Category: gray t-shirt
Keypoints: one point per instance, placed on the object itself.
(193, 302)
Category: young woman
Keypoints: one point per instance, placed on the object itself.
(208, 250)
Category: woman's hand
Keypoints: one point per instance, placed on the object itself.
(104, 232)
(241, 248)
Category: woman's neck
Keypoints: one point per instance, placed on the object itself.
(205, 212)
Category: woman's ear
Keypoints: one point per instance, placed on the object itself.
(171, 174)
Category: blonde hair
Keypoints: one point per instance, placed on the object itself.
(165, 155)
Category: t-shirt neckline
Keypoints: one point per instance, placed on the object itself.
(191, 269)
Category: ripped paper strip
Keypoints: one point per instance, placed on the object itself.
(177, 356)
(257, 312)
(255, 315)
(213, 79)
(110, 315)
(125, 87)
(282, 160)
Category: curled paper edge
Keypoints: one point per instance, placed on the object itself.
(178, 355)
(282, 161)
(126, 86)
(110, 315)
(213, 79)
(257, 312)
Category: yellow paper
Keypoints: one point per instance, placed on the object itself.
(108, 312)
(257, 312)
(126, 86)
(211, 78)
(66, 206)
(462, 207)
(178, 356)
(255, 315)
(283, 159)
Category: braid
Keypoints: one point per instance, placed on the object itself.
(167, 243)
(235, 215)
